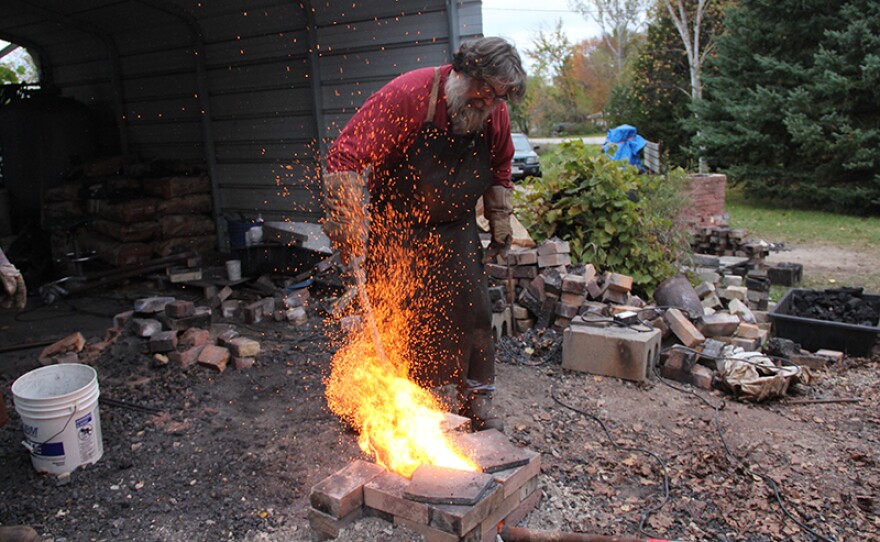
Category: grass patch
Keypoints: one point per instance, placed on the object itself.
(797, 226)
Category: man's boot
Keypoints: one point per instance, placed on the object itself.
(478, 407)
(18, 533)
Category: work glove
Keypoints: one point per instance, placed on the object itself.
(346, 222)
(497, 208)
(14, 290)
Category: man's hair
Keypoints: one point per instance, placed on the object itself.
(493, 60)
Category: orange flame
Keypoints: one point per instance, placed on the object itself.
(399, 422)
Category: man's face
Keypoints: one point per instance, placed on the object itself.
(470, 101)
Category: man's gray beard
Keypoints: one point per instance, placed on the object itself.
(465, 119)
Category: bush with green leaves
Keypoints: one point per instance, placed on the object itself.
(611, 216)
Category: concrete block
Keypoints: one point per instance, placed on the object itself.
(686, 332)
(214, 357)
(231, 308)
(243, 347)
(343, 492)
(501, 323)
(610, 351)
(180, 308)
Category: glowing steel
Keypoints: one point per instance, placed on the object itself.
(399, 423)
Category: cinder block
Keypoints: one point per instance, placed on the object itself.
(610, 351)
(343, 492)
(180, 308)
(501, 323)
(243, 347)
(214, 357)
(686, 332)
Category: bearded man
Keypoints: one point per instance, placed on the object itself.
(426, 146)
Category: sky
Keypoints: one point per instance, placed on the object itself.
(520, 21)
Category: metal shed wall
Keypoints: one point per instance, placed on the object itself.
(255, 90)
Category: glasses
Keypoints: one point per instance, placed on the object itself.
(486, 91)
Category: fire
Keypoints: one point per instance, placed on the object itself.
(399, 422)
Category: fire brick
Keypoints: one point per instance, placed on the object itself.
(701, 377)
(194, 337)
(719, 324)
(454, 422)
(224, 338)
(443, 485)
(243, 347)
(243, 363)
(618, 282)
(151, 305)
(610, 351)
(180, 308)
(188, 357)
(214, 357)
(491, 450)
(327, 527)
(554, 246)
(343, 492)
(145, 327)
(554, 260)
(385, 493)
(686, 332)
(163, 341)
(513, 479)
(526, 257)
(575, 284)
(489, 527)
(201, 317)
(463, 519)
(429, 533)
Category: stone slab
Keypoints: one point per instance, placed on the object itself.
(386, 494)
(492, 450)
(442, 485)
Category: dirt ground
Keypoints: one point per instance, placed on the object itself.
(199, 456)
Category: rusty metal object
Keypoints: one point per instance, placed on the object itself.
(516, 534)
(676, 291)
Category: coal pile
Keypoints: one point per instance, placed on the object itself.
(844, 305)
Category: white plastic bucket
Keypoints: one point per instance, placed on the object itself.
(58, 406)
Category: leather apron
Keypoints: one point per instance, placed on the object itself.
(432, 193)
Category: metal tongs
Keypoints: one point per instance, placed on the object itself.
(360, 281)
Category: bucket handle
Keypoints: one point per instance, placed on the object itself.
(32, 447)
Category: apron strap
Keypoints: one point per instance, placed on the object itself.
(432, 105)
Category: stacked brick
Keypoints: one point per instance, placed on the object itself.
(722, 240)
(707, 199)
(183, 212)
(441, 505)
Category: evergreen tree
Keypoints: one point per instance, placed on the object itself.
(792, 101)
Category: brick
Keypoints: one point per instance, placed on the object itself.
(429, 533)
(188, 357)
(610, 351)
(243, 363)
(231, 308)
(122, 319)
(491, 450)
(679, 357)
(243, 347)
(180, 308)
(194, 337)
(525, 271)
(621, 283)
(731, 280)
(296, 298)
(343, 492)
(704, 289)
(554, 260)
(214, 357)
(526, 505)
(737, 307)
(720, 324)
(575, 284)
(748, 331)
(258, 310)
(589, 273)
(686, 332)
(561, 323)
(463, 519)
(163, 341)
(443, 485)
(201, 317)
(566, 310)
(733, 292)
(298, 316)
(489, 526)
(833, 356)
(527, 257)
(614, 296)
(711, 301)
(702, 377)
(454, 422)
(809, 360)
(145, 327)
(751, 345)
(151, 305)
(74, 342)
(552, 283)
(496, 271)
(514, 478)
(226, 336)
(329, 526)
(520, 313)
(385, 493)
(553, 245)
(66, 357)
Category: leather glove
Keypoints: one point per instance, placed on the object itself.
(346, 222)
(497, 208)
(14, 290)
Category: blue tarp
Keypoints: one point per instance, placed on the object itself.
(628, 144)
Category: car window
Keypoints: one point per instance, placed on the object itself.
(521, 143)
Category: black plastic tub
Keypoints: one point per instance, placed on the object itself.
(812, 334)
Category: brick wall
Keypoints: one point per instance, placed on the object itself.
(707, 195)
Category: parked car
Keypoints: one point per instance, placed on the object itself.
(525, 160)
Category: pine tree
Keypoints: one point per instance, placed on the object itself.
(792, 101)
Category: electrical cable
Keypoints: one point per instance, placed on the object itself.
(767, 479)
(648, 511)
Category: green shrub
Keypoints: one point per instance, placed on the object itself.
(611, 216)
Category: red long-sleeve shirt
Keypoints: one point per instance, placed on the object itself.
(386, 125)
